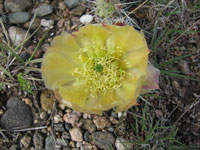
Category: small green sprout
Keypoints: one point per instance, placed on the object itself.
(104, 9)
(24, 84)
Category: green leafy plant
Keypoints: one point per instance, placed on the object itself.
(24, 84)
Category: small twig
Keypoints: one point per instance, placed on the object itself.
(137, 7)
(32, 20)
(184, 32)
(3, 135)
(188, 109)
(145, 100)
(29, 129)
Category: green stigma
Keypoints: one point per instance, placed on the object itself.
(101, 68)
(98, 68)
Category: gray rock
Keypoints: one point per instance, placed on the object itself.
(17, 35)
(88, 125)
(38, 141)
(18, 17)
(17, 5)
(43, 10)
(86, 136)
(78, 11)
(72, 3)
(103, 139)
(17, 115)
(50, 143)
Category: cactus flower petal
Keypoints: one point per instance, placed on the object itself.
(152, 79)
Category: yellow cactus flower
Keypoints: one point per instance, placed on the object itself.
(97, 68)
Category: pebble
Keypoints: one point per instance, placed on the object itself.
(17, 35)
(35, 24)
(66, 135)
(123, 144)
(78, 144)
(111, 129)
(57, 119)
(76, 134)
(66, 148)
(17, 116)
(50, 143)
(17, 5)
(85, 19)
(59, 127)
(68, 126)
(62, 142)
(71, 117)
(122, 114)
(26, 141)
(62, 6)
(18, 17)
(88, 125)
(13, 147)
(47, 99)
(72, 3)
(38, 141)
(78, 11)
(43, 10)
(87, 146)
(86, 136)
(185, 67)
(47, 23)
(113, 120)
(103, 139)
(101, 122)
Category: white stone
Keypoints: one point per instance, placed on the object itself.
(17, 35)
(47, 23)
(85, 19)
(123, 144)
(76, 134)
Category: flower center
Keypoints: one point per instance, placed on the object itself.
(101, 68)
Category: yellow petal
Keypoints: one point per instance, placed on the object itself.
(107, 101)
(137, 59)
(131, 102)
(66, 46)
(127, 89)
(75, 93)
(91, 33)
(56, 70)
(125, 38)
